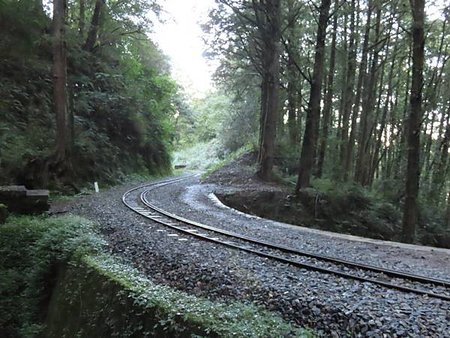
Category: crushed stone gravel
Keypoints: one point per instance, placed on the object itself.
(332, 306)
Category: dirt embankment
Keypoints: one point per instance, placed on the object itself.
(348, 211)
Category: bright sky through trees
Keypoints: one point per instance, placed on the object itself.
(180, 37)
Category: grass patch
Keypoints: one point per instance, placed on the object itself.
(56, 280)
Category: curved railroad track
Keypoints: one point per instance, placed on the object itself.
(137, 200)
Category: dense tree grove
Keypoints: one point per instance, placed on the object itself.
(84, 93)
(364, 93)
(350, 92)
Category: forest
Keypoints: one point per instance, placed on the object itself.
(340, 93)
(306, 193)
(335, 94)
(85, 94)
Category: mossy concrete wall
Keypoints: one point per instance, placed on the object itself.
(86, 303)
(100, 297)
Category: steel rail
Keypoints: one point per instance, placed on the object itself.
(387, 272)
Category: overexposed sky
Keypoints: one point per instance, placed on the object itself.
(180, 38)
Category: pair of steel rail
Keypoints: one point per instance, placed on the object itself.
(392, 279)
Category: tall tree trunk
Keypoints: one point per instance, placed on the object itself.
(292, 83)
(403, 128)
(410, 214)
(82, 18)
(348, 94)
(94, 27)
(60, 79)
(366, 119)
(312, 118)
(441, 165)
(350, 145)
(271, 68)
(447, 218)
(328, 98)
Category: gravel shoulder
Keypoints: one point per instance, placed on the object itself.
(332, 306)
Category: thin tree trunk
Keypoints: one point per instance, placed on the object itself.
(447, 218)
(94, 27)
(313, 113)
(350, 145)
(348, 95)
(82, 18)
(365, 126)
(60, 79)
(375, 154)
(402, 128)
(410, 214)
(439, 173)
(291, 86)
(329, 97)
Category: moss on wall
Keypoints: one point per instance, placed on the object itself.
(60, 282)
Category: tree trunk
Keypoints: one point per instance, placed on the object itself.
(366, 119)
(350, 144)
(447, 218)
(441, 166)
(348, 94)
(410, 214)
(271, 68)
(94, 27)
(292, 82)
(60, 79)
(328, 99)
(403, 128)
(82, 18)
(312, 118)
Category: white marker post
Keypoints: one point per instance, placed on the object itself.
(96, 187)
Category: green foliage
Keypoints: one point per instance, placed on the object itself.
(345, 196)
(212, 128)
(120, 95)
(199, 156)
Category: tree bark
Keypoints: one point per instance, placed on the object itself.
(348, 94)
(312, 118)
(410, 213)
(447, 218)
(292, 84)
(328, 98)
(366, 118)
(270, 84)
(94, 27)
(82, 18)
(60, 79)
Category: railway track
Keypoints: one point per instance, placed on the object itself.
(137, 199)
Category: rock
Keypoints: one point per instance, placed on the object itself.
(20, 200)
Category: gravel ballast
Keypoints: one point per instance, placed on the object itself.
(330, 305)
